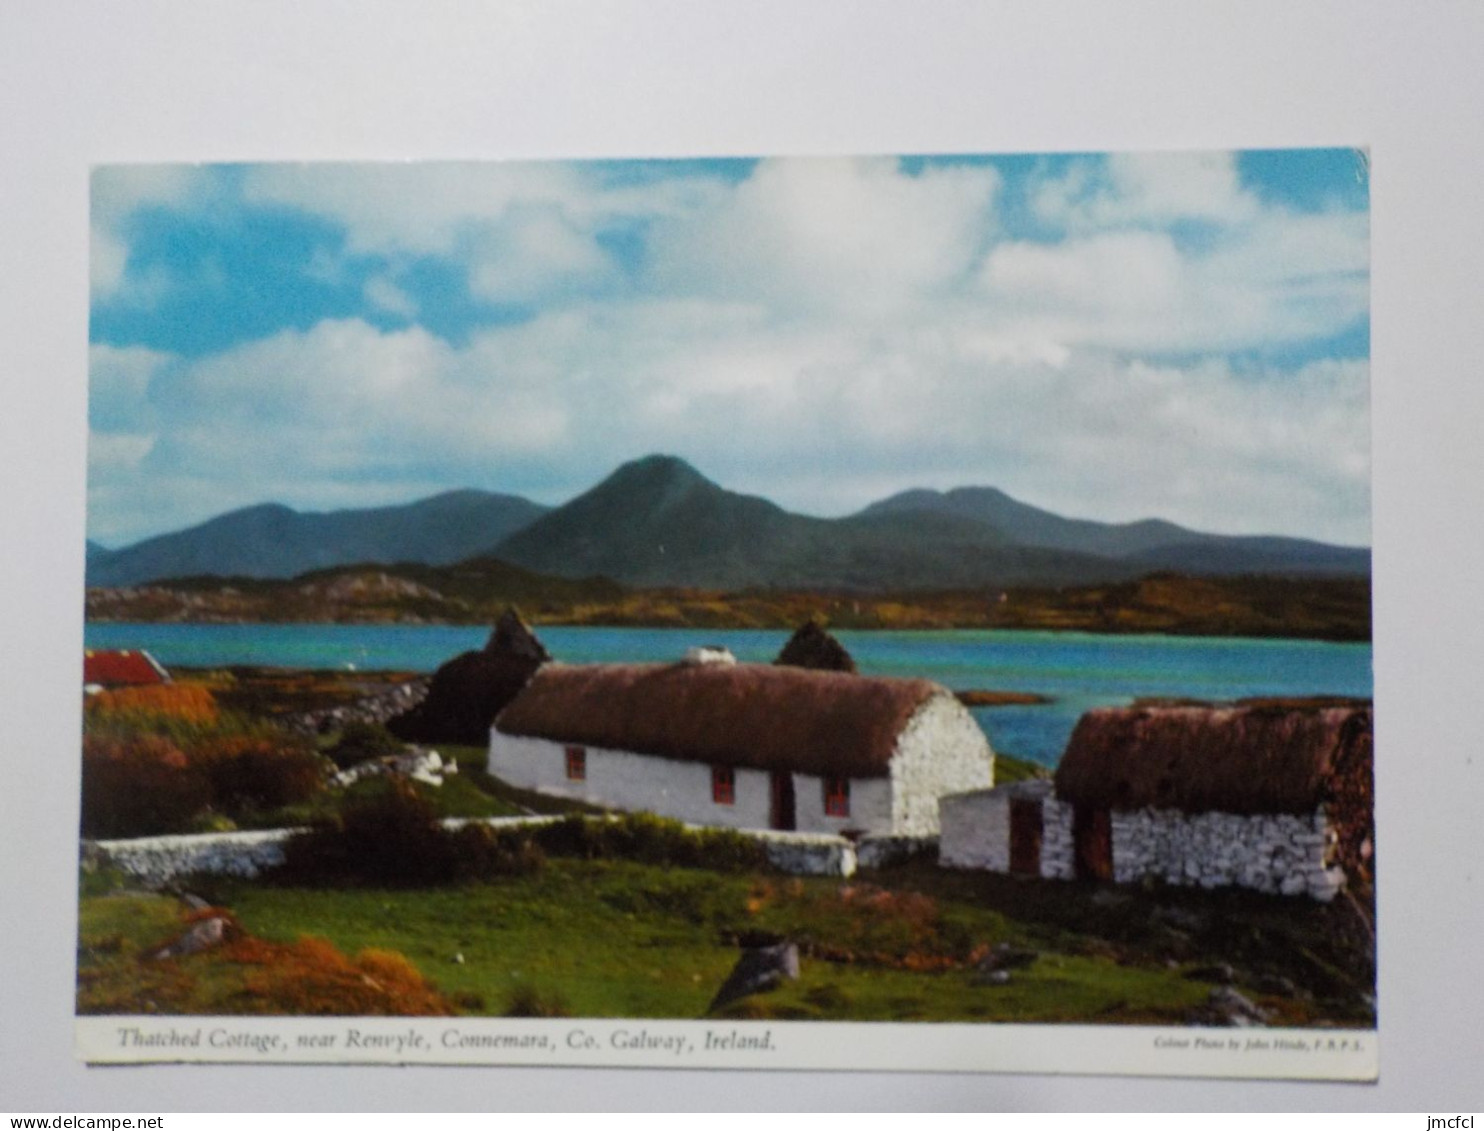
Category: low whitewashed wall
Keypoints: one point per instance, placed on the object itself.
(1278, 853)
(883, 851)
(808, 854)
(157, 860)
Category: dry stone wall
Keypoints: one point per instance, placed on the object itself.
(1279, 853)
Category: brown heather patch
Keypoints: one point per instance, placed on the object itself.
(311, 977)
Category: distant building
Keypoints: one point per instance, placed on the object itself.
(743, 745)
(1271, 795)
(107, 669)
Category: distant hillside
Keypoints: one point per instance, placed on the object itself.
(659, 522)
(479, 590)
(1151, 544)
(275, 541)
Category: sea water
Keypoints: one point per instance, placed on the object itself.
(1075, 670)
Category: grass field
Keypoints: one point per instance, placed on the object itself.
(620, 939)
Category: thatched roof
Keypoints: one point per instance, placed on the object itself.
(1263, 757)
(812, 646)
(751, 715)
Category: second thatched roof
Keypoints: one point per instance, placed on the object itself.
(747, 715)
(1246, 758)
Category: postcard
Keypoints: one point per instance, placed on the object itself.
(897, 612)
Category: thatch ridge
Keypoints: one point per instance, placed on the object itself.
(1258, 757)
(745, 715)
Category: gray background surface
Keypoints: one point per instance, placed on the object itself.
(85, 82)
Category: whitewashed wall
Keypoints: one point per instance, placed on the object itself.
(976, 829)
(870, 806)
(941, 750)
(620, 779)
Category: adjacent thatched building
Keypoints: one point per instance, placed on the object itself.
(467, 692)
(1272, 795)
(813, 646)
(743, 745)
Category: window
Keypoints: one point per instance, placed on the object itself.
(723, 785)
(837, 797)
(576, 763)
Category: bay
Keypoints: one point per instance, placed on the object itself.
(1077, 670)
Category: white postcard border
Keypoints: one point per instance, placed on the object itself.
(1288, 1054)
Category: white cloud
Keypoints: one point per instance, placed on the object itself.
(119, 191)
(832, 234)
(1127, 189)
(824, 332)
(382, 294)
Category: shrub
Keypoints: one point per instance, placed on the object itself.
(139, 787)
(312, 978)
(648, 839)
(393, 836)
(184, 702)
(164, 759)
(255, 773)
(361, 742)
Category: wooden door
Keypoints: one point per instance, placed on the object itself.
(1025, 837)
(1092, 842)
(781, 802)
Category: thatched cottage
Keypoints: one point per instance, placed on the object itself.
(750, 746)
(1270, 795)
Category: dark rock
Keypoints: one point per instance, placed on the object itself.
(513, 637)
(1215, 972)
(1007, 957)
(467, 692)
(758, 970)
(811, 646)
(1226, 1008)
(202, 935)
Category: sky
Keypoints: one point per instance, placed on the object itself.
(1109, 336)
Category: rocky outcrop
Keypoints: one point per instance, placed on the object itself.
(467, 692)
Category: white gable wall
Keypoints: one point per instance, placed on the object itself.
(940, 751)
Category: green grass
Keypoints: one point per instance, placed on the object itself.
(616, 939)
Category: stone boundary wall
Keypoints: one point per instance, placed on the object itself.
(1279, 853)
(157, 860)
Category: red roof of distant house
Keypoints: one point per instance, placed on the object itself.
(121, 669)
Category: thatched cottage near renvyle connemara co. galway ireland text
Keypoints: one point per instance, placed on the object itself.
(749, 746)
(1271, 795)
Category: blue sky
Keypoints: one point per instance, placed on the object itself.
(1112, 336)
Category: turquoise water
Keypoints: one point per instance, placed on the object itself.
(1078, 670)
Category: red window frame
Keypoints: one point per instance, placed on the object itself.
(837, 797)
(576, 763)
(723, 785)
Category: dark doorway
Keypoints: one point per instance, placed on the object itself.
(1092, 841)
(1025, 837)
(781, 802)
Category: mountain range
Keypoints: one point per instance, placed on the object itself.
(657, 521)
